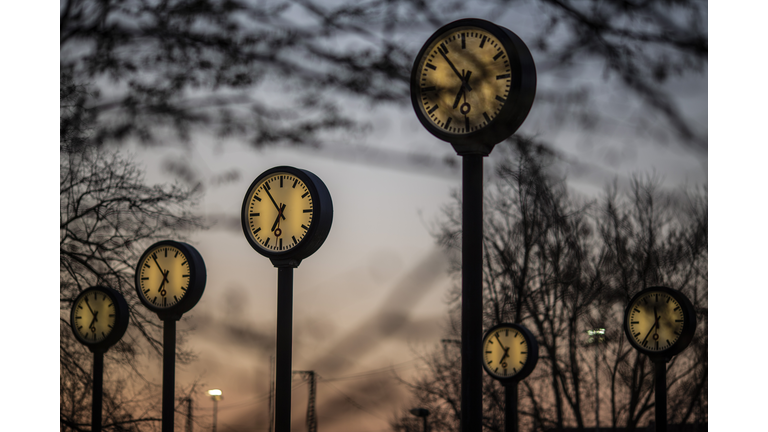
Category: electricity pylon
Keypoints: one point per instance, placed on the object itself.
(311, 417)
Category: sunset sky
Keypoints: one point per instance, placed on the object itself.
(373, 296)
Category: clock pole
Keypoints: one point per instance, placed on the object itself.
(472, 293)
(169, 372)
(284, 362)
(98, 384)
(510, 406)
(660, 391)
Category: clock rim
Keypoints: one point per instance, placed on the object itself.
(121, 318)
(531, 361)
(686, 334)
(197, 279)
(322, 216)
(520, 99)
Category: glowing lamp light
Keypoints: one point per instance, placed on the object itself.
(215, 394)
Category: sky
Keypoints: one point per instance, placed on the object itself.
(379, 260)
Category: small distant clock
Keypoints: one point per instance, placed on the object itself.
(473, 84)
(510, 352)
(660, 322)
(99, 317)
(287, 214)
(170, 278)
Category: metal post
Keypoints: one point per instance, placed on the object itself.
(510, 407)
(661, 395)
(283, 363)
(597, 387)
(98, 384)
(189, 414)
(169, 372)
(472, 294)
(215, 410)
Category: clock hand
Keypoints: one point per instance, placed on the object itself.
(458, 97)
(158, 265)
(277, 219)
(275, 203)
(91, 326)
(89, 306)
(506, 354)
(655, 323)
(500, 344)
(162, 284)
(464, 83)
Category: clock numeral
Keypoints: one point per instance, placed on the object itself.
(522, 341)
(146, 265)
(281, 181)
(431, 66)
(500, 99)
(294, 183)
(305, 227)
(448, 122)
(466, 124)
(524, 352)
(257, 230)
(488, 119)
(675, 309)
(146, 291)
(678, 320)
(294, 239)
(434, 108)
(77, 317)
(256, 197)
(185, 275)
(463, 42)
(498, 77)
(489, 352)
(635, 322)
(267, 242)
(305, 194)
(496, 57)
(255, 214)
(111, 315)
(482, 42)
(184, 263)
(515, 370)
(637, 334)
(281, 244)
(490, 342)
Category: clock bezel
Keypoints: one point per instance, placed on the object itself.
(686, 334)
(121, 319)
(531, 361)
(197, 279)
(322, 218)
(519, 101)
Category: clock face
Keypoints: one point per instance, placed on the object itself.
(164, 276)
(510, 352)
(655, 321)
(278, 212)
(94, 315)
(465, 79)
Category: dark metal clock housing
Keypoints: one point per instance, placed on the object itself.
(686, 334)
(533, 352)
(322, 217)
(197, 279)
(121, 318)
(519, 101)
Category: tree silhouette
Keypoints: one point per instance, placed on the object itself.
(288, 72)
(560, 267)
(108, 216)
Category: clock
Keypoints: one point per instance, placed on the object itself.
(510, 352)
(473, 84)
(659, 322)
(170, 278)
(99, 317)
(286, 214)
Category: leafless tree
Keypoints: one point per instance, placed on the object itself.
(108, 216)
(560, 267)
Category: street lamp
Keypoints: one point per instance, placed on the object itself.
(216, 395)
(423, 413)
(596, 337)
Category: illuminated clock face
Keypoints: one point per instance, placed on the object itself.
(465, 80)
(655, 321)
(505, 352)
(94, 316)
(278, 213)
(164, 276)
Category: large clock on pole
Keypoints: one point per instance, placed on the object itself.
(286, 214)
(473, 84)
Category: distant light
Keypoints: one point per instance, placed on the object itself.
(214, 392)
(598, 331)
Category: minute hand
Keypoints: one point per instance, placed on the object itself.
(464, 83)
